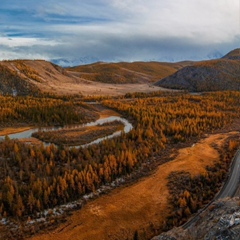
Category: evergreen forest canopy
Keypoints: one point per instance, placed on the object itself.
(34, 178)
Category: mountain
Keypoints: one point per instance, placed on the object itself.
(63, 62)
(215, 54)
(214, 75)
(21, 77)
(136, 72)
(162, 57)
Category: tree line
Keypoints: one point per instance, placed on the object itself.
(45, 111)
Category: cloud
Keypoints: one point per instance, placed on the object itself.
(25, 42)
(118, 30)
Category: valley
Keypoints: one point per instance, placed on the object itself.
(26, 76)
(141, 206)
(143, 180)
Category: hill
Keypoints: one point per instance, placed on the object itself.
(234, 55)
(136, 72)
(213, 75)
(29, 76)
(11, 83)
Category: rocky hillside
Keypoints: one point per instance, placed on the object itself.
(136, 72)
(214, 75)
(220, 221)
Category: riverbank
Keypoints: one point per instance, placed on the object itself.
(105, 112)
(13, 130)
(102, 111)
(79, 136)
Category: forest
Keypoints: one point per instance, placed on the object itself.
(34, 178)
(42, 111)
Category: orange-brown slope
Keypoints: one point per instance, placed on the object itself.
(136, 72)
(42, 74)
(48, 77)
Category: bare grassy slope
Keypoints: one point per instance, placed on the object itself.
(42, 74)
(214, 75)
(136, 72)
(26, 75)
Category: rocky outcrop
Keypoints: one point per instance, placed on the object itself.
(220, 221)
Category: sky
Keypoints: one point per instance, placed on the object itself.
(85, 31)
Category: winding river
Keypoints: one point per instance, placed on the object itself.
(28, 133)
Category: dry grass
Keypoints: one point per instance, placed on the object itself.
(32, 141)
(105, 112)
(136, 72)
(118, 214)
(57, 80)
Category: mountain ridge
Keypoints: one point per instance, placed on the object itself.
(32, 76)
(124, 72)
(24, 77)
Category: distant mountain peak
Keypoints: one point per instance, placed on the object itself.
(215, 54)
(63, 62)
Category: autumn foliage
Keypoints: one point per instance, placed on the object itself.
(35, 178)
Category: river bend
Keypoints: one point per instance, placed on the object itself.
(28, 133)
